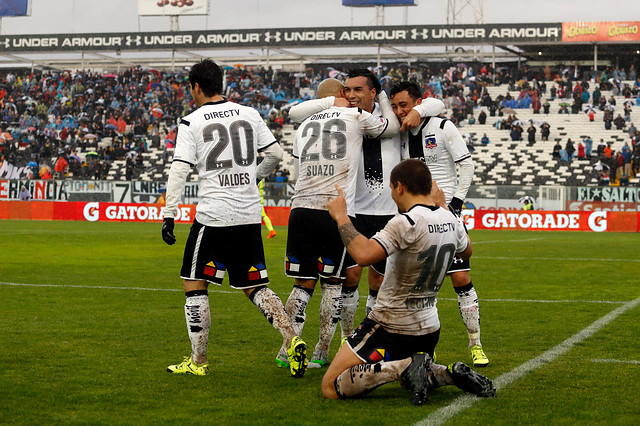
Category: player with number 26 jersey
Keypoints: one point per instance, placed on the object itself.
(328, 145)
(225, 137)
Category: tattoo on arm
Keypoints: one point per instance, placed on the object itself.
(348, 232)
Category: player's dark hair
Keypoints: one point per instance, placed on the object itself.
(414, 176)
(373, 81)
(208, 75)
(412, 89)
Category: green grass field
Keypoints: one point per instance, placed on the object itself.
(92, 313)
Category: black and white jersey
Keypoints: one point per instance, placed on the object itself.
(440, 145)
(421, 244)
(223, 139)
(379, 157)
(328, 148)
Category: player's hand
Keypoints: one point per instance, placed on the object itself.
(167, 231)
(341, 102)
(456, 206)
(437, 195)
(411, 120)
(338, 206)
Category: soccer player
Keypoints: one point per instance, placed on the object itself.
(397, 339)
(266, 219)
(224, 138)
(328, 148)
(373, 204)
(437, 142)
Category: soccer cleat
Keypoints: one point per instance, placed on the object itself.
(415, 377)
(478, 356)
(189, 367)
(282, 359)
(319, 359)
(470, 381)
(297, 357)
(272, 234)
(343, 341)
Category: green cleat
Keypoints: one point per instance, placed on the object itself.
(297, 357)
(478, 356)
(189, 367)
(319, 359)
(282, 360)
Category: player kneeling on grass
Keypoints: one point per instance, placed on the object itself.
(224, 139)
(396, 341)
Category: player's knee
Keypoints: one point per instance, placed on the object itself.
(353, 276)
(460, 279)
(328, 387)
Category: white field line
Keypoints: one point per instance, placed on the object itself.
(103, 287)
(466, 401)
(617, 361)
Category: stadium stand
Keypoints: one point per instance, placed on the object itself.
(118, 127)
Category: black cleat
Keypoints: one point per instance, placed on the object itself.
(415, 377)
(470, 381)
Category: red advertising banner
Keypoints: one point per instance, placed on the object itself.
(110, 212)
(601, 31)
(596, 221)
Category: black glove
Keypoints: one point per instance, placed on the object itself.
(455, 205)
(167, 231)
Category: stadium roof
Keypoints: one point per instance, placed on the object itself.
(583, 43)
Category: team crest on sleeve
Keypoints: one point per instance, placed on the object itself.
(215, 270)
(379, 355)
(257, 272)
(430, 142)
(291, 264)
(326, 266)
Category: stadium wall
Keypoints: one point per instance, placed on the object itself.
(591, 221)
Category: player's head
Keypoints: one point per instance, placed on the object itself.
(361, 88)
(404, 96)
(330, 87)
(414, 176)
(207, 75)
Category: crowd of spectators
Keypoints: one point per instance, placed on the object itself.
(88, 119)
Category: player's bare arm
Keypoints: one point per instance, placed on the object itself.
(363, 250)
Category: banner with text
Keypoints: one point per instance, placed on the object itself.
(600, 31)
(287, 37)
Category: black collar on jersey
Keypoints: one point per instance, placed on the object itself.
(215, 102)
(433, 208)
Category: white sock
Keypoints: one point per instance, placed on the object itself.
(273, 310)
(330, 310)
(198, 316)
(371, 301)
(296, 307)
(470, 312)
(364, 378)
(350, 302)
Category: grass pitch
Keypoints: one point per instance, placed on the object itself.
(92, 313)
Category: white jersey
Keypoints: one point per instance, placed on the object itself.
(328, 148)
(379, 157)
(223, 138)
(421, 245)
(439, 144)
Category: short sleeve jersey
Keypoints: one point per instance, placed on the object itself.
(223, 139)
(420, 245)
(328, 148)
(379, 157)
(439, 144)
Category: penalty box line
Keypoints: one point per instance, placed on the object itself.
(466, 401)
